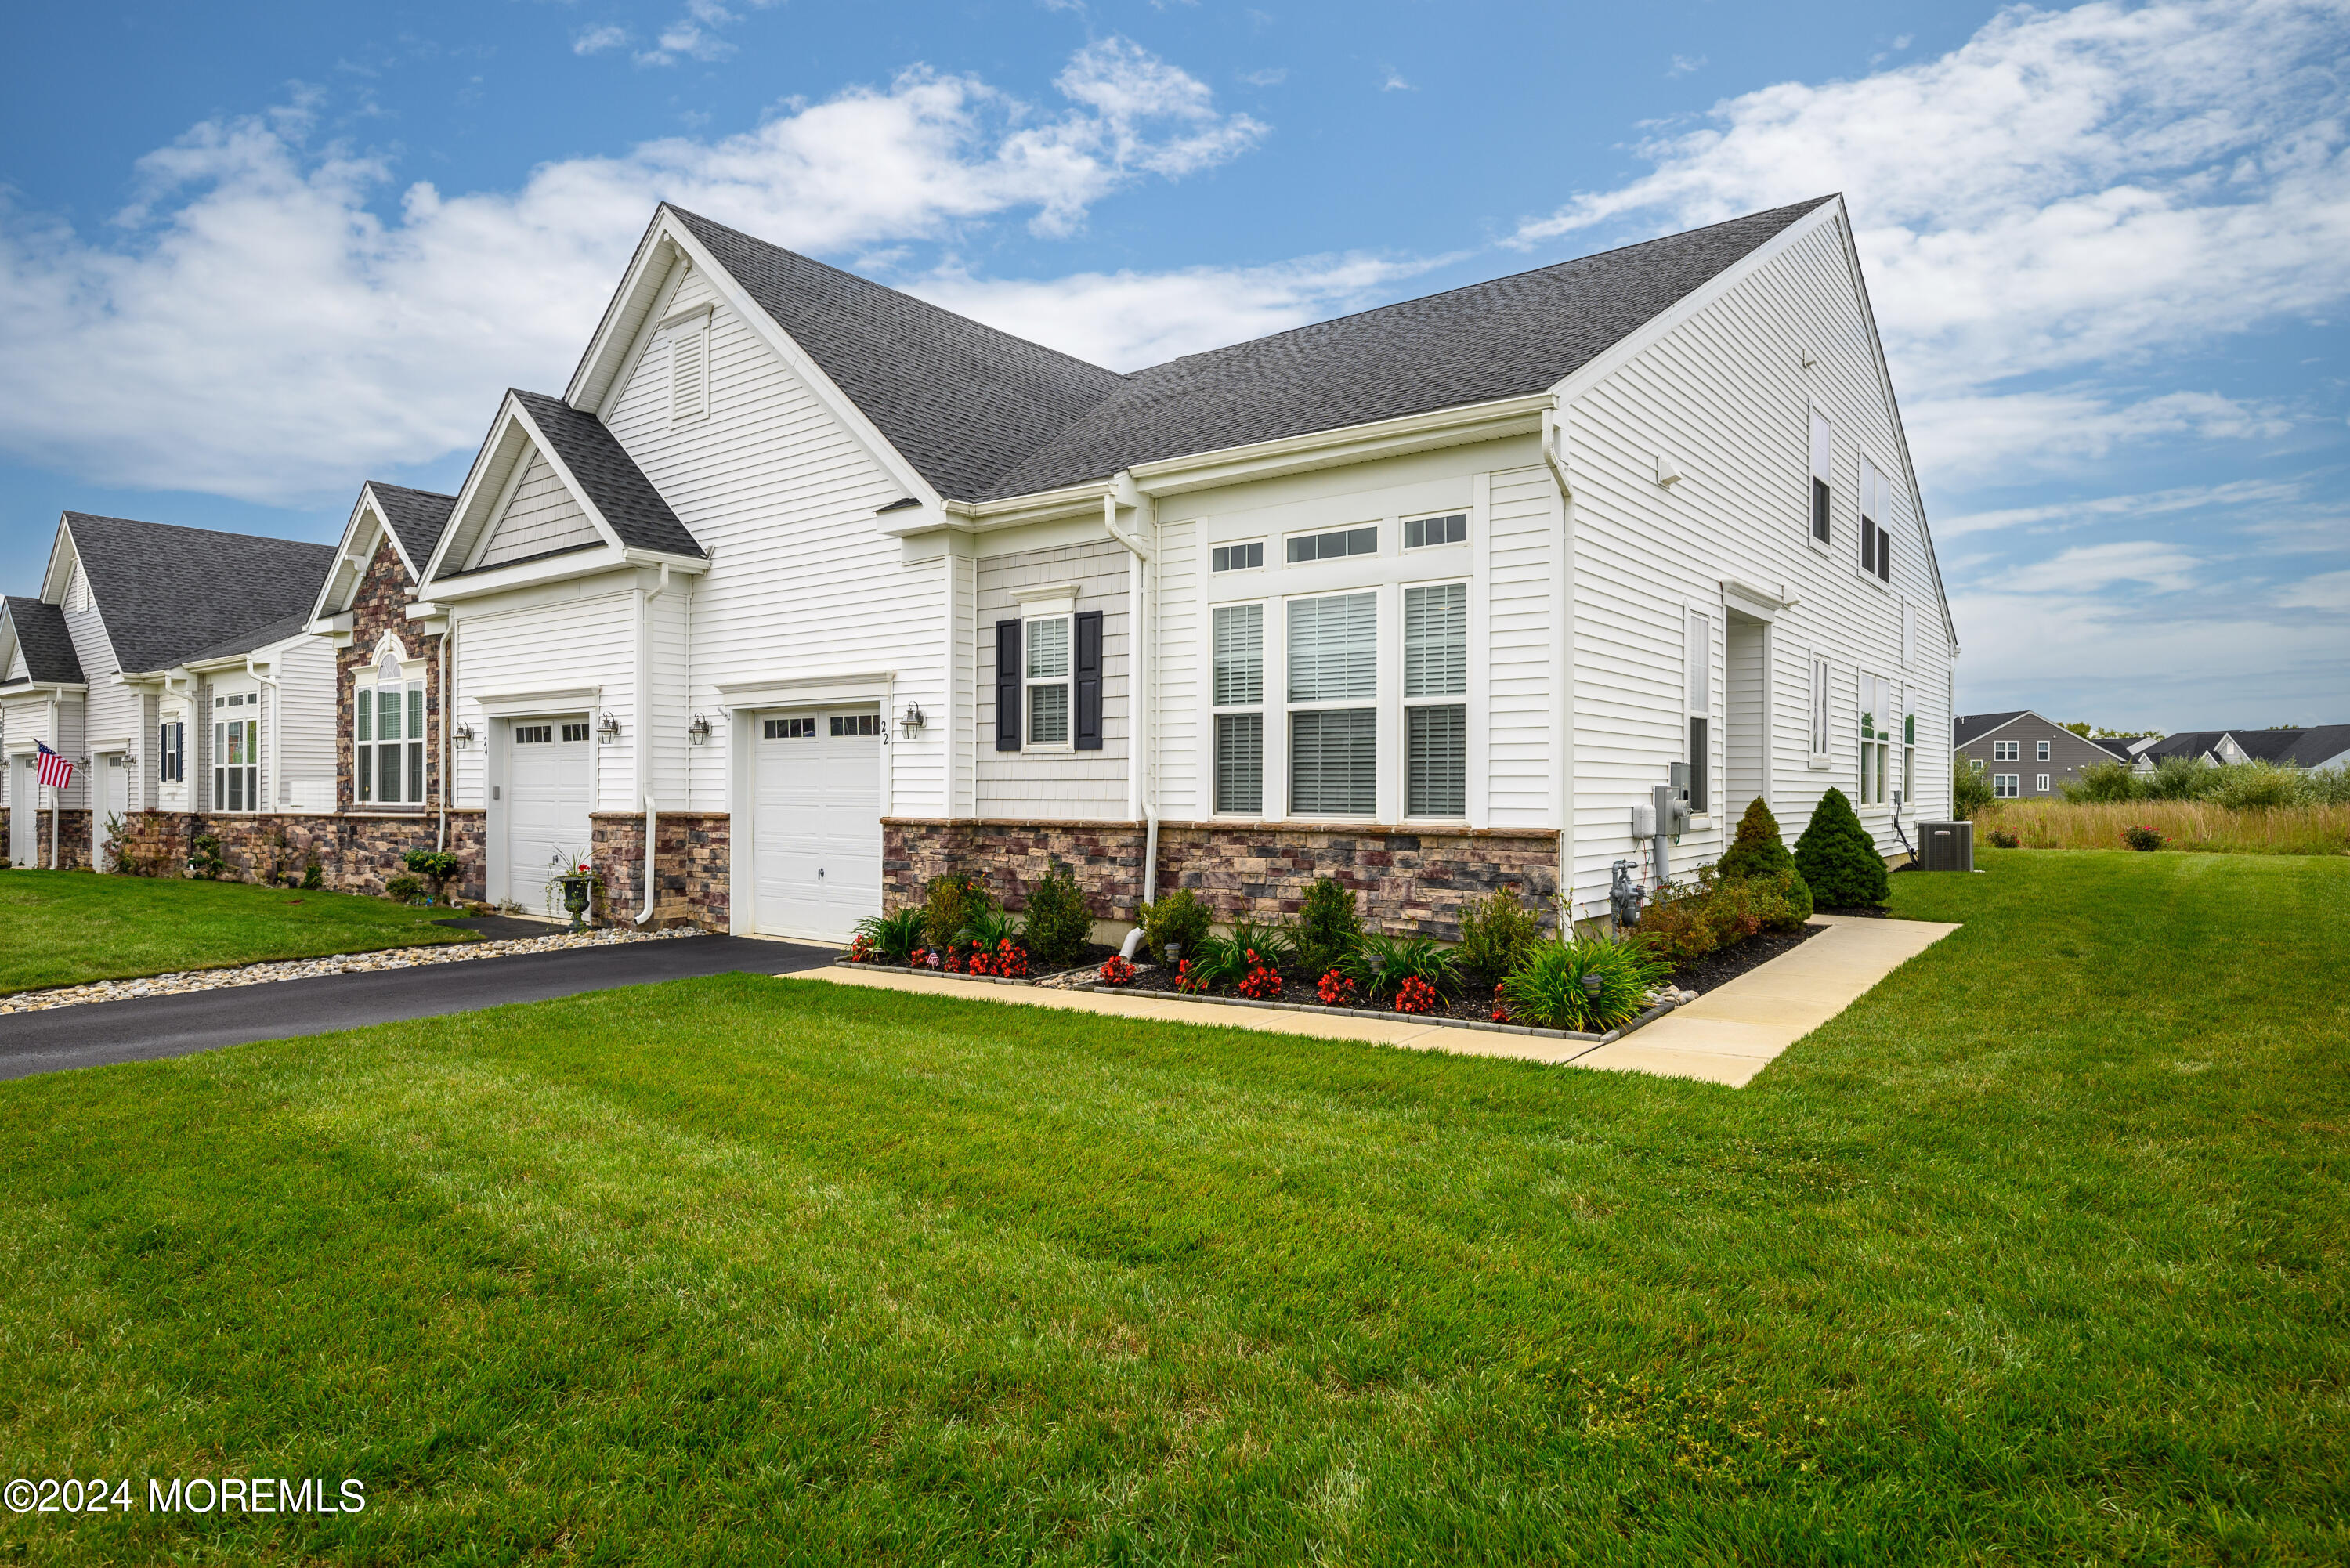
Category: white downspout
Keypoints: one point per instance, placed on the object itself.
(57, 796)
(1141, 797)
(1562, 667)
(645, 598)
(448, 717)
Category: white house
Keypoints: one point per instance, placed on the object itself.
(174, 666)
(805, 590)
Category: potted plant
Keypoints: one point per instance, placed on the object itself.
(576, 884)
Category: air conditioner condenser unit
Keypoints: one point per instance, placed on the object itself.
(1946, 846)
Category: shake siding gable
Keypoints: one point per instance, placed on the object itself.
(1087, 785)
(1726, 394)
(802, 581)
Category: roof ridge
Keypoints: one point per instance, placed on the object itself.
(190, 528)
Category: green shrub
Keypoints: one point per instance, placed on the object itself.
(1838, 859)
(2179, 778)
(2328, 786)
(1329, 926)
(1783, 902)
(948, 905)
(894, 937)
(1547, 989)
(1181, 917)
(2104, 782)
(2142, 838)
(1275, 945)
(1759, 850)
(2000, 838)
(1496, 935)
(434, 866)
(313, 875)
(404, 889)
(1684, 920)
(1060, 926)
(1379, 964)
(1211, 963)
(1971, 793)
(2257, 787)
(204, 856)
(991, 927)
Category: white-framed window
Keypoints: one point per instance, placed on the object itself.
(2002, 786)
(2043, 753)
(388, 735)
(1876, 738)
(1436, 733)
(2004, 751)
(1875, 505)
(854, 724)
(236, 752)
(1420, 532)
(172, 752)
(787, 728)
(1976, 764)
(1247, 557)
(1046, 676)
(1819, 705)
(2043, 783)
(689, 370)
(535, 735)
(1237, 647)
(1823, 456)
(1334, 687)
(1334, 543)
(1697, 679)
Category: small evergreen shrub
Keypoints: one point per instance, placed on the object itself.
(204, 856)
(1758, 850)
(1838, 860)
(1547, 989)
(1328, 925)
(948, 905)
(1060, 926)
(1181, 917)
(1497, 933)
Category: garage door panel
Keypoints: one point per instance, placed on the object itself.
(817, 832)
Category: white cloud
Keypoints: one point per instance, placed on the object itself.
(253, 327)
(1683, 65)
(2087, 568)
(1271, 75)
(2005, 437)
(596, 40)
(2066, 193)
(695, 37)
(2326, 591)
(1394, 82)
(2236, 495)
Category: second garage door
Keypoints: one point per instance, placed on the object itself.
(817, 833)
(547, 777)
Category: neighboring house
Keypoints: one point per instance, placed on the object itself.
(2024, 755)
(806, 590)
(171, 665)
(2319, 746)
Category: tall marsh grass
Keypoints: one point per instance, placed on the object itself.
(2199, 824)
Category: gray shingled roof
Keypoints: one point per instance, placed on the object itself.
(1504, 338)
(2301, 748)
(417, 516)
(165, 592)
(961, 402)
(246, 641)
(612, 478)
(1967, 726)
(49, 646)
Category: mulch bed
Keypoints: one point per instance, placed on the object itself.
(1702, 975)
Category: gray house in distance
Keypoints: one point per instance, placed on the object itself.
(2024, 755)
(2318, 746)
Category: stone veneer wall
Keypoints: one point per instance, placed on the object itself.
(691, 853)
(380, 605)
(73, 825)
(355, 854)
(1409, 880)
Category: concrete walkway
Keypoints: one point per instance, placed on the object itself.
(1726, 1036)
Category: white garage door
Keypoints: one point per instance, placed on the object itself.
(817, 805)
(547, 804)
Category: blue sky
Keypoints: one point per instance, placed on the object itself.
(252, 254)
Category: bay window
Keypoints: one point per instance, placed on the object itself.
(387, 736)
(1333, 734)
(1436, 735)
(1238, 695)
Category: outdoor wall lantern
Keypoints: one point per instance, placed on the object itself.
(910, 723)
(464, 735)
(698, 732)
(607, 729)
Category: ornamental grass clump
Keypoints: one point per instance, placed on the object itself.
(1497, 933)
(1548, 990)
(1838, 859)
(1060, 925)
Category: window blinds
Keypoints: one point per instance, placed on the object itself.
(1239, 641)
(1334, 649)
(1239, 762)
(1436, 640)
(1334, 762)
(1436, 749)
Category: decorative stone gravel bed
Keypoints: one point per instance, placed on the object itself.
(312, 968)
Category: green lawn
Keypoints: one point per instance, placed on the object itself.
(2035, 1255)
(63, 928)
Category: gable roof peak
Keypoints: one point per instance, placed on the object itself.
(164, 590)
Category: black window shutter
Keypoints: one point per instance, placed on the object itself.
(1867, 545)
(1089, 681)
(1007, 685)
(1884, 556)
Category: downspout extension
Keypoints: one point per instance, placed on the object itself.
(646, 913)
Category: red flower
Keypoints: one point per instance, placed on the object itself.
(1335, 989)
(1261, 983)
(1117, 972)
(1415, 995)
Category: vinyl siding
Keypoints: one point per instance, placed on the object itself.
(109, 711)
(542, 516)
(1177, 669)
(1521, 748)
(1081, 785)
(305, 712)
(1725, 394)
(560, 637)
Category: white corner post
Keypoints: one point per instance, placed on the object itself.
(645, 598)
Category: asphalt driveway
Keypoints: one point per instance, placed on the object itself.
(153, 1027)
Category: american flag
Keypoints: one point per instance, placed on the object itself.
(56, 772)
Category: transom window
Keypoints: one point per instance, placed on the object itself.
(1336, 543)
(856, 723)
(1245, 557)
(576, 731)
(1418, 533)
(1046, 674)
(388, 735)
(535, 735)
